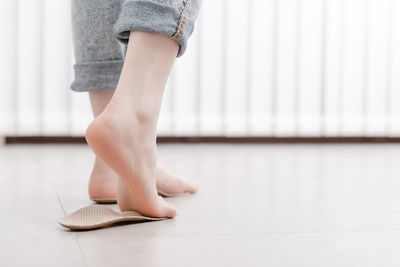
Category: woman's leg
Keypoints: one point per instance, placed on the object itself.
(99, 61)
(124, 134)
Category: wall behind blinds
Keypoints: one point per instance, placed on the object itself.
(256, 67)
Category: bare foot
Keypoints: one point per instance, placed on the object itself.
(133, 161)
(103, 183)
(172, 184)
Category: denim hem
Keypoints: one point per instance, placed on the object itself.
(144, 15)
(96, 76)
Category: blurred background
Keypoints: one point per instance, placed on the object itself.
(253, 68)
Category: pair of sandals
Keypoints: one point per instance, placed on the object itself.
(97, 216)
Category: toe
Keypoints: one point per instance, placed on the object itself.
(192, 187)
(169, 210)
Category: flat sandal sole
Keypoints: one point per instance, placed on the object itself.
(96, 216)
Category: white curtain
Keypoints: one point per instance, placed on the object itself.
(256, 67)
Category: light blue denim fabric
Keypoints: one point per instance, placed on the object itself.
(101, 31)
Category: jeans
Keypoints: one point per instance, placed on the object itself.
(101, 31)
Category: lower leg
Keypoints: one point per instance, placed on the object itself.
(124, 135)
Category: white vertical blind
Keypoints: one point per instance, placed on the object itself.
(257, 67)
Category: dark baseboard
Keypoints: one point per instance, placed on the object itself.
(8, 140)
(212, 139)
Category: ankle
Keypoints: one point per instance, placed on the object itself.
(145, 117)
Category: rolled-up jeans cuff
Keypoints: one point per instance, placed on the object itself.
(95, 76)
(145, 15)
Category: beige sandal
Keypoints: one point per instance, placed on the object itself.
(96, 216)
(114, 200)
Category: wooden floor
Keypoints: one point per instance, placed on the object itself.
(258, 205)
